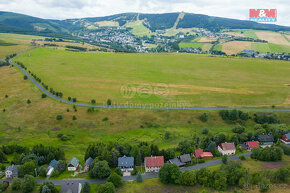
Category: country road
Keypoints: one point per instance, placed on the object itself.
(130, 107)
(144, 176)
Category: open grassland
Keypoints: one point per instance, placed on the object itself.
(269, 47)
(173, 31)
(219, 47)
(138, 29)
(107, 24)
(15, 43)
(191, 45)
(207, 39)
(162, 79)
(234, 47)
(35, 123)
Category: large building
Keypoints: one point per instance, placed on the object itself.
(200, 153)
(126, 164)
(286, 138)
(249, 145)
(73, 164)
(11, 172)
(153, 163)
(227, 148)
(266, 140)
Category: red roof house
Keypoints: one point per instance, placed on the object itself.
(286, 138)
(227, 148)
(153, 163)
(251, 144)
(199, 153)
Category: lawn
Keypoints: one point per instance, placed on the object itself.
(162, 79)
(191, 45)
(139, 29)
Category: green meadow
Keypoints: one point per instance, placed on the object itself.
(269, 47)
(162, 79)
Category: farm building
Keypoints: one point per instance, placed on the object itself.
(266, 140)
(153, 163)
(286, 138)
(73, 164)
(126, 164)
(11, 172)
(227, 148)
(88, 164)
(200, 153)
(71, 187)
(251, 144)
(51, 167)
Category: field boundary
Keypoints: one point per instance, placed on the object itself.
(131, 107)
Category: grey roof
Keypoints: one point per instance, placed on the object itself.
(185, 158)
(126, 161)
(13, 169)
(287, 135)
(177, 162)
(266, 138)
(74, 161)
(53, 163)
(89, 161)
(70, 187)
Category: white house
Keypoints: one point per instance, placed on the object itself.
(73, 164)
(11, 172)
(153, 163)
(227, 148)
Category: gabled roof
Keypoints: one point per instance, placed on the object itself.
(156, 161)
(266, 138)
(198, 152)
(252, 144)
(177, 162)
(70, 187)
(89, 161)
(126, 161)
(74, 162)
(185, 158)
(287, 135)
(13, 169)
(228, 146)
(53, 163)
(206, 154)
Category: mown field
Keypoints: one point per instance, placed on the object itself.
(162, 79)
(35, 123)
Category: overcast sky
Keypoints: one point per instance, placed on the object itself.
(64, 9)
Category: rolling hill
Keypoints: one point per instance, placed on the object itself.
(19, 23)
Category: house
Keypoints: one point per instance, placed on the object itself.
(266, 140)
(71, 187)
(181, 160)
(126, 164)
(153, 163)
(227, 148)
(11, 172)
(286, 138)
(51, 167)
(73, 164)
(88, 164)
(251, 144)
(200, 153)
(185, 158)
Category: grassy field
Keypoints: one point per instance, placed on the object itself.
(191, 45)
(138, 29)
(234, 47)
(35, 123)
(14, 43)
(162, 79)
(269, 47)
(219, 47)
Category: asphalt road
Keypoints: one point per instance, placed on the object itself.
(130, 107)
(144, 176)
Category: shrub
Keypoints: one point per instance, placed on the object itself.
(118, 171)
(105, 119)
(139, 177)
(115, 179)
(100, 170)
(47, 187)
(28, 101)
(239, 129)
(169, 174)
(28, 184)
(87, 188)
(43, 95)
(225, 159)
(188, 178)
(242, 157)
(109, 102)
(107, 187)
(59, 117)
(74, 118)
(93, 101)
(205, 131)
(264, 185)
(203, 117)
(25, 77)
(16, 184)
(167, 135)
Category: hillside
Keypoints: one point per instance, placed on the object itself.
(19, 23)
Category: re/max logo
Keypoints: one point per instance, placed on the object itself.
(263, 15)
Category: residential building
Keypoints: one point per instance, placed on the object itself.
(51, 167)
(227, 148)
(71, 187)
(88, 164)
(73, 164)
(11, 172)
(181, 161)
(153, 163)
(200, 153)
(286, 138)
(126, 164)
(251, 144)
(266, 140)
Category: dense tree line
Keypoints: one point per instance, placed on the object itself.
(269, 118)
(77, 48)
(267, 153)
(233, 115)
